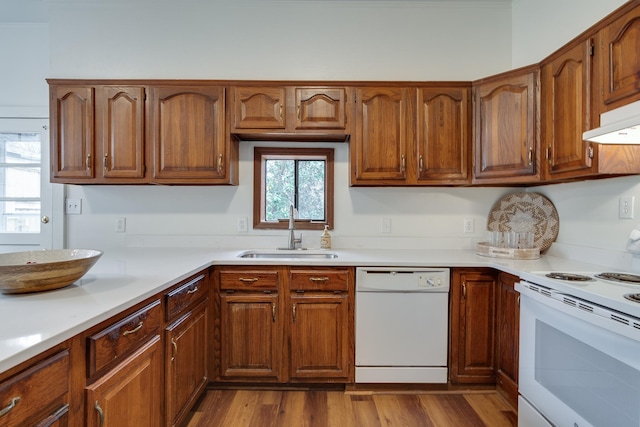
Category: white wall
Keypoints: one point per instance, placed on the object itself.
(309, 39)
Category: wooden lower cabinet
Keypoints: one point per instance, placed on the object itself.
(281, 324)
(250, 330)
(131, 393)
(471, 340)
(186, 362)
(507, 337)
(319, 337)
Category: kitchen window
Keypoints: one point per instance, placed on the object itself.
(302, 177)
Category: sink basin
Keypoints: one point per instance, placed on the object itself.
(35, 271)
(285, 253)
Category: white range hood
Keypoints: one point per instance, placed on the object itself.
(619, 126)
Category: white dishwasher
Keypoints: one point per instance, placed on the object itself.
(402, 325)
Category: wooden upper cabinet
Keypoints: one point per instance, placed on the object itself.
(72, 133)
(443, 135)
(121, 113)
(259, 107)
(321, 108)
(566, 81)
(619, 45)
(98, 134)
(383, 136)
(506, 128)
(188, 134)
(290, 112)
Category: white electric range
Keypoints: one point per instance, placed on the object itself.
(579, 349)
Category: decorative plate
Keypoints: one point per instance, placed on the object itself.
(521, 212)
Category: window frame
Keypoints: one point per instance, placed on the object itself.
(260, 155)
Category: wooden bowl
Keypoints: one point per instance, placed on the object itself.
(35, 271)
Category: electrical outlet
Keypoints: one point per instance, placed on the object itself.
(625, 207)
(243, 224)
(385, 225)
(121, 225)
(73, 206)
(468, 225)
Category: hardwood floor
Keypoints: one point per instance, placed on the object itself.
(322, 408)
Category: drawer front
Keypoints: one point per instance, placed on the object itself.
(319, 279)
(249, 279)
(38, 389)
(185, 295)
(123, 337)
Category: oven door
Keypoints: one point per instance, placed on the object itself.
(577, 368)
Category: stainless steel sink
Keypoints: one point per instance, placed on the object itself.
(303, 254)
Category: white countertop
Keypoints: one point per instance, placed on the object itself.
(32, 323)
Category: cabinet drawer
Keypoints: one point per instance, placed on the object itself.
(249, 279)
(122, 337)
(185, 295)
(38, 389)
(319, 279)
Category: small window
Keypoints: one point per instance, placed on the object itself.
(302, 177)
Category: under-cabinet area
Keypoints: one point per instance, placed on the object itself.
(231, 326)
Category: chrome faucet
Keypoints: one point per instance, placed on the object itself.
(292, 235)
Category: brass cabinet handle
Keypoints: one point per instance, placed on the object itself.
(294, 313)
(220, 163)
(590, 152)
(421, 165)
(174, 346)
(247, 280)
(192, 291)
(319, 279)
(281, 111)
(404, 163)
(88, 161)
(10, 406)
(298, 112)
(100, 413)
(518, 300)
(530, 156)
(273, 311)
(104, 161)
(464, 290)
(133, 331)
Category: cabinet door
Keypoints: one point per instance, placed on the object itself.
(507, 336)
(472, 327)
(120, 131)
(506, 131)
(72, 133)
(259, 107)
(443, 135)
(131, 393)
(383, 135)
(187, 350)
(188, 134)
(619, 44)
(251, 341)
(566, 85)
(319, 337)
(321, 108)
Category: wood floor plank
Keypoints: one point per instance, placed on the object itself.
(493, 410)
(331, 408)
(450, 410)
(401, 410)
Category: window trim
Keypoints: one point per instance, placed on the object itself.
(260, 155)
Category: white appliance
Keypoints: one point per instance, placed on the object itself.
(618, 126)
(579, 350)
(401, 325)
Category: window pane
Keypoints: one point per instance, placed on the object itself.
(19, 148)
(20, 182)
(311, 189)
(279, 188)
(19, 217)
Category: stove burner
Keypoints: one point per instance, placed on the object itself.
(633, 297)
(620, 277)
(568, 276)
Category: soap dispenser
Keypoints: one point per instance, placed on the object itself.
(325, 238)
